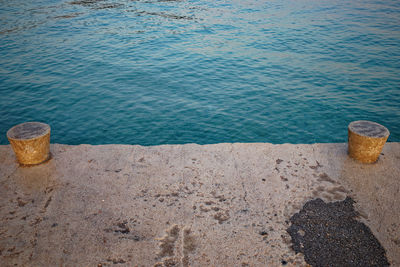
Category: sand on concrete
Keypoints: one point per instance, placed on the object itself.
(184, 205)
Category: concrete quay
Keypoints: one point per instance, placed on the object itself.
(185, 205)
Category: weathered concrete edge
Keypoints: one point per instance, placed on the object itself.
(374, 185)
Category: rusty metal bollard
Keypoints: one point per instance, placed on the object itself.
(366, 140)
(30, 142)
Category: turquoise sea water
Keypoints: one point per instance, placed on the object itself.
(155, 72)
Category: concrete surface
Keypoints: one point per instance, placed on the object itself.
(184, 205)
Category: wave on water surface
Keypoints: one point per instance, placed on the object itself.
(170, 72)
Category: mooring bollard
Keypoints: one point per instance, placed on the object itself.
(366, 140)
(30, 142)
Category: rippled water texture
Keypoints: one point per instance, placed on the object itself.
(167, 72)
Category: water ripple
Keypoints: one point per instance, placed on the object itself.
(164, 71)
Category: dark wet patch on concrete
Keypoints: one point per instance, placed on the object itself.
(329, 235)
